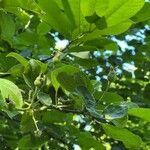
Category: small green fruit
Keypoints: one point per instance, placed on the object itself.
(38, 133)
(38, 81)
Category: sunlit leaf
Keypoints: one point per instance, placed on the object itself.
(10, 90)
(129, 139)
(143, 113)
(20, 58)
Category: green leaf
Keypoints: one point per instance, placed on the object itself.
(83, 55)
(103, 43)
(143, 113)
(18, 57)
(79, 84)
(36, 63)
(71, 82)
(28, 83)
(11, 91)
(55, 17)
(76, 79)
(77, 102)
(27, 123)
(86, 141)
(63, 68)
(129, 139)
(93, 18)
(37, 43)
(82, 48)
(6, 63)
(101, 7)
(87, 7)
(107, 98)
(27, 5)
(2, 103)
(7, 26)
(115, 111)
(88, 98)
(114, 30)
(143, 14)
(31, 142)
(81, 24)
(11, 113)
(67, 81)
(101, 23)
(129, 105)
(55, 116)
(120, 122)
(69, 13)
(44, 98)
(58, 132)
(43, 28)
(16, 70)
(147, 91)
(22, 15)
(86, 63)
(27, 39)
(34, 68)
(120, 11)
(117, 29)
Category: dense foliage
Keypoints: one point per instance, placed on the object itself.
(74, 73)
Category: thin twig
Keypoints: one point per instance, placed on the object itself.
(35, 122)
(56, 97)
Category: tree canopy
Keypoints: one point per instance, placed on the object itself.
(74, 74)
